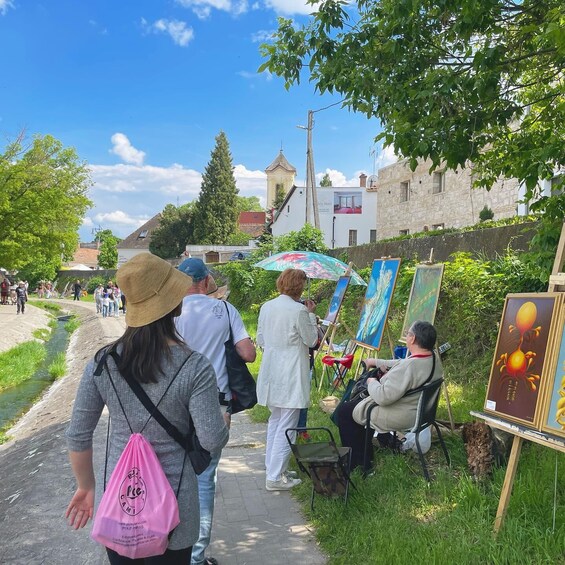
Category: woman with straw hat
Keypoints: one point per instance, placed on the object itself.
(180, 381)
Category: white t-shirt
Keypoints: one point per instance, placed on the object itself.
(203, 325)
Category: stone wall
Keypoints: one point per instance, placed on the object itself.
(413, 201)
(486, 242)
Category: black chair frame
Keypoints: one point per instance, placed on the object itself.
(327, 465)
(425, 417)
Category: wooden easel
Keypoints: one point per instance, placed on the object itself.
(556, 284)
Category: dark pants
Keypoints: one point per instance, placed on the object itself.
(21, 304)
(170, 557)
(77, 295)
(353, 435)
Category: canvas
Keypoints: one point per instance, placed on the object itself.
(337, 299)
(553, 420)
(522, 358)
(424, 294)
(377, 302)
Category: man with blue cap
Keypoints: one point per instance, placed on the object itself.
(205, 326)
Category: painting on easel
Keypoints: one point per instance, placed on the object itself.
(424, 294)
(522, 358)
(337, 299)
(553, 420)
(377, 302)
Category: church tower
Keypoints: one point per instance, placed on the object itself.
(280, 177)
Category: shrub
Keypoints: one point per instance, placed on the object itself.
(486, 214)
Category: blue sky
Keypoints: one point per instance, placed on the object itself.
(140, 88)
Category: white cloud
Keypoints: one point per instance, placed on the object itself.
(263, 35)
(179, 31)
(123, 148)
(385, 157)
(251, 76)
(203, 8)
(126, 196)
(338, 178)
(5, 5)
(288, 7)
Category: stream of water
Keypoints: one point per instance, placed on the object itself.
(18, 399)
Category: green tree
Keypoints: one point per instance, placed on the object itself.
(175, 231)
(326, 181)
(215, 217)
(43, 199)
(472, 80)
(486, 214)
(248, 204)
(108, 256)
(308, 238)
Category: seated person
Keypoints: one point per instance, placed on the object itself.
(394, 411)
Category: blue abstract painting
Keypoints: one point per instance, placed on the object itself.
(377, 302)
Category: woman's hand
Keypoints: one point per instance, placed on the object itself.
(80, 508)
(310, 305)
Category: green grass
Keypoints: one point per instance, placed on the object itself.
(58, 367)
(41, 333)
(20, 363)
(395, 517)
(72, 324)
(46, 305)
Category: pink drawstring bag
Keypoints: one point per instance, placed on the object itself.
(139, 508)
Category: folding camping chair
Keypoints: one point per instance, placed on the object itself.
(339, 365)
(327, 465)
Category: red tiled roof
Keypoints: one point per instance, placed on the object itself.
(85, 256)
(251, 218)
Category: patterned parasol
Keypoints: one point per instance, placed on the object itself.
(315, 265)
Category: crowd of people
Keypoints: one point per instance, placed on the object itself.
(174, 347)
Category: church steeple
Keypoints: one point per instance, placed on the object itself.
(280, 177)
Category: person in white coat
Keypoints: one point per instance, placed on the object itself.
(286, 329)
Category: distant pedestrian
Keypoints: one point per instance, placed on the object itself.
(123, 302)
(98, 293)
(21, 297)
(105, 304)
(77, 289)
(4, 290)
(117, 300)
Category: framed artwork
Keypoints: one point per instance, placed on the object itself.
(337, 299)
(523, 357)
(424, 294)
(553, 420)
(377, 302)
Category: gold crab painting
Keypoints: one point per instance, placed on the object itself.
(522, 356)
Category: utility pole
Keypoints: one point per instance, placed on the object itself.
(310, 174)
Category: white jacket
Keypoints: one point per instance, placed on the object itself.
(285, 331)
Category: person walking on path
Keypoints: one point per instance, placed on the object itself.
(205, 326)
(77, 289)
(179, 381)
(286, 329)
(21, 297)
(4, 290)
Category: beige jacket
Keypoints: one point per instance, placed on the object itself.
(396, 412)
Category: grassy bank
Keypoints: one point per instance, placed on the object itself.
(20, 363)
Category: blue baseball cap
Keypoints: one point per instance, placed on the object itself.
(195, 268)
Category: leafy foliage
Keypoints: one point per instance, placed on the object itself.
(215, 217)
(486, 214)
(108, 256)
(175, 231)
(308, 238)
(326, 181)
(474, 80)
(43, 199)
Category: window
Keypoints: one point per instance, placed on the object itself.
(439, 182)
(373, 236)
(352, 238)
(142, 234)
(403, 232)
(405, 191)
(438, 226)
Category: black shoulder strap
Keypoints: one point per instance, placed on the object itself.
(419, 388)
(229, 320)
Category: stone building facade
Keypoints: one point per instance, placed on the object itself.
(415, 201)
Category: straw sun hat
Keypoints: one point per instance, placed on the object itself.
(152, 287)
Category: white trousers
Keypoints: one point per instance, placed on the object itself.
(278, 449)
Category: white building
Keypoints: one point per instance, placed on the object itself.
(348, 215)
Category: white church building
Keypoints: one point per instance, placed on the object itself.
(348, 215)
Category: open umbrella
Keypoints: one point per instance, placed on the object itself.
(315, 265)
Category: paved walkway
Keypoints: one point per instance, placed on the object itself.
(251, 525)
(17, 328)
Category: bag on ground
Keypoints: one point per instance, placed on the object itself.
(139, 508)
